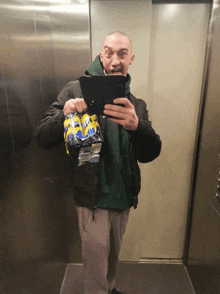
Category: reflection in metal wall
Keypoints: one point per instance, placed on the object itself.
(44, 44)
(203, 251)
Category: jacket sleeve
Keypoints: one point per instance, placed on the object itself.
(146, 143)
(50, 130)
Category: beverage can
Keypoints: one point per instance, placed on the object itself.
(73, 132)
(88, 126)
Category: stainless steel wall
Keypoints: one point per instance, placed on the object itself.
(44, 44)
(203, 246)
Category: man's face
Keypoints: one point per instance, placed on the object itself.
(116, 55)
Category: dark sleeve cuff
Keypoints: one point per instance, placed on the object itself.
(138, 133)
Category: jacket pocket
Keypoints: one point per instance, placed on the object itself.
(85, 182)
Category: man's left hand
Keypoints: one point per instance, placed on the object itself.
(127, 116)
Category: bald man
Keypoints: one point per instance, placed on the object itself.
(110, 188)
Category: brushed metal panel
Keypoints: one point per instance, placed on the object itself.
(208, 133)
(71, 40)
(210, 144)
(203, 256)
(22, 63)
(204, 272)
(44, 44)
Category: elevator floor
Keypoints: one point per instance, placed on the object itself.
(136, 278)
(33, 277)
(59, 278)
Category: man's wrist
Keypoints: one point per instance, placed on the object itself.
(134, 128)
(136, 125)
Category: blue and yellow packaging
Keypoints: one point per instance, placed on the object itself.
(73, 132)
(81, 130)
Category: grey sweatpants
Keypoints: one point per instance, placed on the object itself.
(101, 244)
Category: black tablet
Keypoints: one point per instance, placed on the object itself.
(100, 90)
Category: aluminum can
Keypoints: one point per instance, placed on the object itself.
(73, 131)
(88, 126)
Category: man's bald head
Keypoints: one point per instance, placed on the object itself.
(118, 34)
(116, 55)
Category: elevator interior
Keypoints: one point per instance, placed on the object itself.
(45, 44)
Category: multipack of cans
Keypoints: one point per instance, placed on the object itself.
(82, 131)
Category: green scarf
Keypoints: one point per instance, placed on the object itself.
(116, 180)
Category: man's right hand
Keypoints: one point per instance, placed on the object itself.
(73, 105)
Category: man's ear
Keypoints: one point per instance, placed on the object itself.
(100, 55)
(132, 59)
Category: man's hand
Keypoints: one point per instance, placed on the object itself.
(73, 105)
(127, 115)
